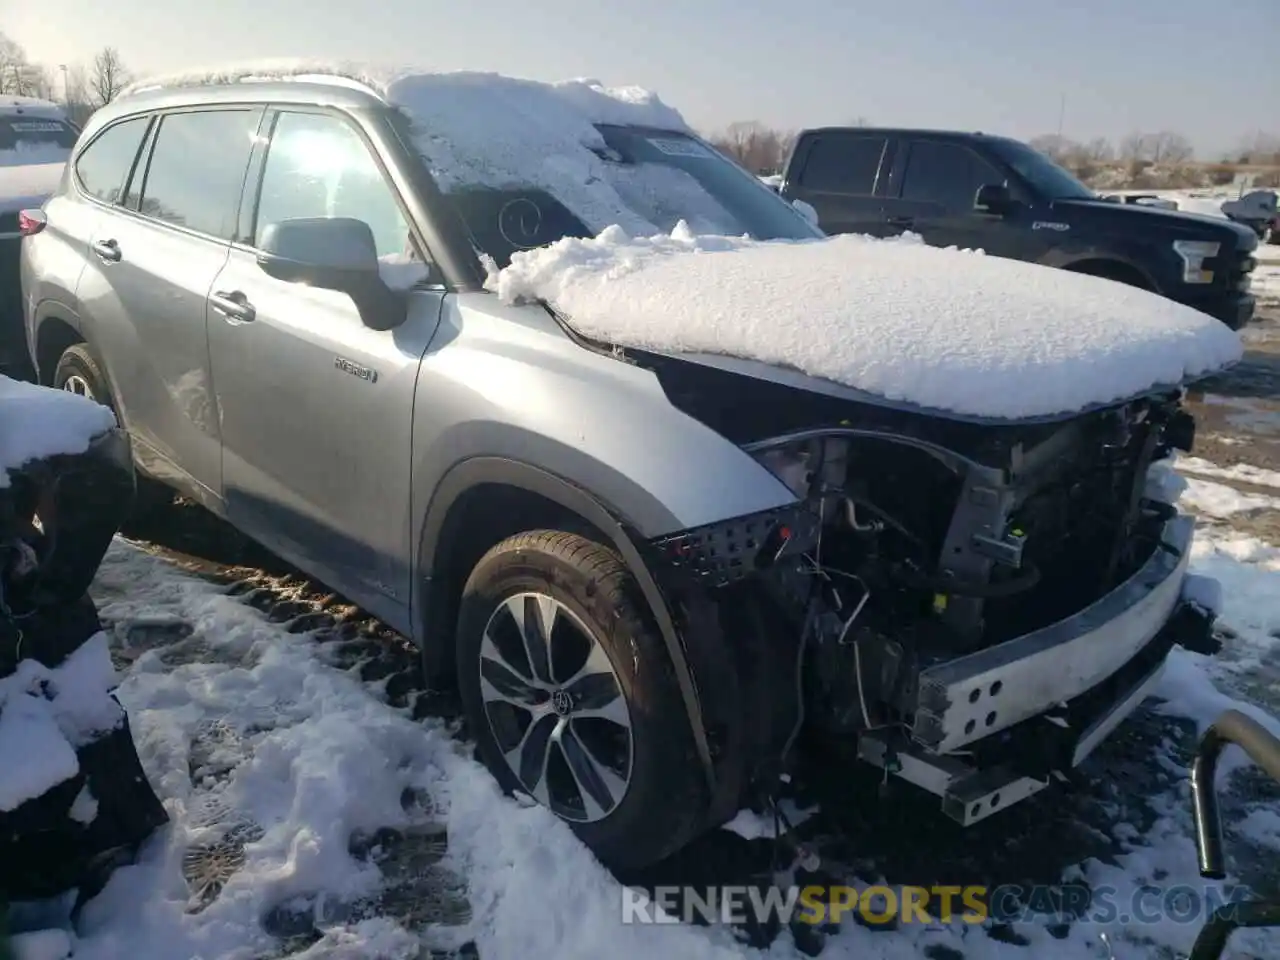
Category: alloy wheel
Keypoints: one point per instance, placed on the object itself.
(78, 385)
(555, 707)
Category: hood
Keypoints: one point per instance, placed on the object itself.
(1159, 218)
(946, 331)
(28, 185)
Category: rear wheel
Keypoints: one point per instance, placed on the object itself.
(572, 697)
(78, 372)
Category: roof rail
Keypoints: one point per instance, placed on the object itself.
(351, 78)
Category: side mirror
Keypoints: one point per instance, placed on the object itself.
(333, 253)
(994, 198)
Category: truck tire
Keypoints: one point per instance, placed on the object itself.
(78, 372)
(604, 696)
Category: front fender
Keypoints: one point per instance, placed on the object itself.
(508, 383)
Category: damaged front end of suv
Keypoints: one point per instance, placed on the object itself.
(970, 606)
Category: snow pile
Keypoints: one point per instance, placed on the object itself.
(37, 422)
(45, 715)
(1221, 502)
(943, 329)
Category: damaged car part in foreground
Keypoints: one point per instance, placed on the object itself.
(973, 608)
(1263, 748)
(76, 830)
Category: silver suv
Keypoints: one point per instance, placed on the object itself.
(647, 572)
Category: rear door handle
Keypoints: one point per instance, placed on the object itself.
(901, 221)
(107, 250)
(233, 305)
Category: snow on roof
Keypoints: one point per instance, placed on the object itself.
(39, 422)
(948, 330)
(485, 129)
(10, 103)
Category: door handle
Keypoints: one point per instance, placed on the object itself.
(233, 305)
(107, 250)
(901, 221)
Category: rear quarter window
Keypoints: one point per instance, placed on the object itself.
(104, 165)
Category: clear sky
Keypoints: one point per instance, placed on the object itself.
(1207, 68)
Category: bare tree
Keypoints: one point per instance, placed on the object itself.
(1134, 148)
(1259, 148)
(758, 148)
(107, 76)
(77, 98)
(1054, 146)
(1099, 150)
(19, 76)
(1169, 147)
(12, 61)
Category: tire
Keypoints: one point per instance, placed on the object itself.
(664, 801)
(78, 372)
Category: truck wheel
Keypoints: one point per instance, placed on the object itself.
(572, 699)
(78, 372)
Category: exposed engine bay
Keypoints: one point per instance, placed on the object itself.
(922, 554)
(946, 585)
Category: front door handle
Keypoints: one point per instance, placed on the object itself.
(107, 250)
(233, 305)
(901, 221)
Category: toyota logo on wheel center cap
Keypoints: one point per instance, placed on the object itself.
(562, 703)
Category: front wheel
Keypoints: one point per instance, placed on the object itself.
(572, 698)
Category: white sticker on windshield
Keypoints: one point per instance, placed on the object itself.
(680, 147)
(36, 126)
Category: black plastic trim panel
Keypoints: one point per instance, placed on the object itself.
(730, 551)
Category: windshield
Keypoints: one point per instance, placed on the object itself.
(660, 176)
(27, 139)
(1043, 174)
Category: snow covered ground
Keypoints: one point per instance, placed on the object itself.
(313, 816)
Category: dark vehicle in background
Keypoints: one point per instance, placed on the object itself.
(35, 140)
(975, 190)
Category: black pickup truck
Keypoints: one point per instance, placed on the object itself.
(978, 191)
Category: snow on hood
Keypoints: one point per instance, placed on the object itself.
(28, 185)
(39, 422)
(950, 330)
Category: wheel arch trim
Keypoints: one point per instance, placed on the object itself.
(476, 471)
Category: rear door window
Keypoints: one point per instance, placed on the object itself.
(197, 167)
(843, 163)
(946, 174)
(104, 165)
